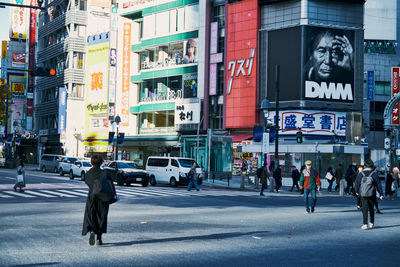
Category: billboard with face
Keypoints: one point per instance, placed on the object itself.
(328, 71)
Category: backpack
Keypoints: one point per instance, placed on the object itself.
(367, 187)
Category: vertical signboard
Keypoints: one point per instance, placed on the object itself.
(241, 64)
(126, 58)
(31, 65)
(62, 110)
(214, 38)
(213, 79)
(19, 20)
(395, 90)
(4, 60)
(370, 85)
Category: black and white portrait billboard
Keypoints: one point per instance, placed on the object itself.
(328, 71)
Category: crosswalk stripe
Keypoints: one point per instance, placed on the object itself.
(73, 192)
(140, 192)
(6, 196)
(175, 192)
(17, 194)
(56, 193)
(38, 194)
(82, 191)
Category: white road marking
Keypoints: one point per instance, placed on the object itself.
(38, 194)
(18, 194)
(56, 193)
(5, 196)
(72, 192)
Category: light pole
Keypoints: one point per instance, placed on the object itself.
(117, 121)
(276, 157)
(264, 108)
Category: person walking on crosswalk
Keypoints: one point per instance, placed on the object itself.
(192, 175)
(96, 210)
(20, 182)
(310, 181)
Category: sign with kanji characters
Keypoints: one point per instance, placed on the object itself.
(186, 113)
(19, 20)
(62, 110)
(126, 64)
(310, 122)
(395, 90)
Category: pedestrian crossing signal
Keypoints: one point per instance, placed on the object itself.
(299, 137)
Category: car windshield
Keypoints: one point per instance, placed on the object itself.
(86, 164)
(187, 163)
(127, 165)
(73, 160)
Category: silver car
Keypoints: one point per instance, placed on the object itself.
(79, 169)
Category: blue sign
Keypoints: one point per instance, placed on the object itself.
(62, 110)
(370, 85)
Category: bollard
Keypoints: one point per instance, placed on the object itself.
(242, 181)
(341, 188)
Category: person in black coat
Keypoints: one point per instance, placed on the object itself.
(278, 178)
(368, 201)
(96, 211)
(295, 178)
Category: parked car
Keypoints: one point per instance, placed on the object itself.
(49, 162)
(172, 170)
(127, 172)
(64, 166)
(79, 169)
(2, 160)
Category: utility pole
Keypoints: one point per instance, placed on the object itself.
(276, 157)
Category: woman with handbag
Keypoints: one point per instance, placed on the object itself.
(98, 200)
(20, 177)
(329, 176)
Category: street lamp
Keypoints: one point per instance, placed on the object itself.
(117, 121)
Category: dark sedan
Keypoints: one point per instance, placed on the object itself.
(127, 172)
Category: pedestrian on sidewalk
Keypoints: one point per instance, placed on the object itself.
(310, 181)
(359, 170)
(192, 175)
(303, 167)
(20, 181)
(338, 176)
(349, 179)
(96, 210)
(295, 178)
(395, 185)
(367, 183)
(278, 178)
(263, 178)
(330, 178)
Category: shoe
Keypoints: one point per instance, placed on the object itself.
(15, 189)
(197, 190)
(290, 190)
(370, 225)
(308, 210)
(21, 190)
(364, 227)
(312, 209)
(379, 211)
(91, 238)
(99, 242)
(358, 207)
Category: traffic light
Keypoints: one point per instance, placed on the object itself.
(299, 137)
(43, 72)
(120, 138)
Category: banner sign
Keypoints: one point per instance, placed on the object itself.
(310, 122)
(4, 60)
(19, 20)
(126, 58)
(370, 85)
(186, 113)
(395, 90)
(62, 110)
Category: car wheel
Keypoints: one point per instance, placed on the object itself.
(44, 169)
(120, 181)
(55, 170)
(153, 180)
(145, 183)
(71, 175)
(83, 176)
(172, 182)
(61, 172)
(128, 184)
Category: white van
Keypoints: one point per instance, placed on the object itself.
(171, 170)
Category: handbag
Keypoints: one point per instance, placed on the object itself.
(394, 186)
(329, 176)
(20, 178)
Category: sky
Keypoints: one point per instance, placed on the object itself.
(4, 22)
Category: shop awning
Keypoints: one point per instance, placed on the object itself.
(241, 137)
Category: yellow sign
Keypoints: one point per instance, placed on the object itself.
(18, 88)
(4, 49)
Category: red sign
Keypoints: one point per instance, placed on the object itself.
(395, 90)
(243, 22)
(18, 58)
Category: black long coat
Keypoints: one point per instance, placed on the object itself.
(96, 211)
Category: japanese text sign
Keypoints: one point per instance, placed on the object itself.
(186, 113)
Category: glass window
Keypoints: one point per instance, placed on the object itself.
(161, 89)
(187, 163)
(172, 21)
(162, 23)
(181, 19)
(191, 17)
(174, 163)
(156, 122)
(148, 26)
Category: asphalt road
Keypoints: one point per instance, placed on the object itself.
(163, 226)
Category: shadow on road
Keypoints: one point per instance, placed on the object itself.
(36, 264)
(388, 226)
(183, 238)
